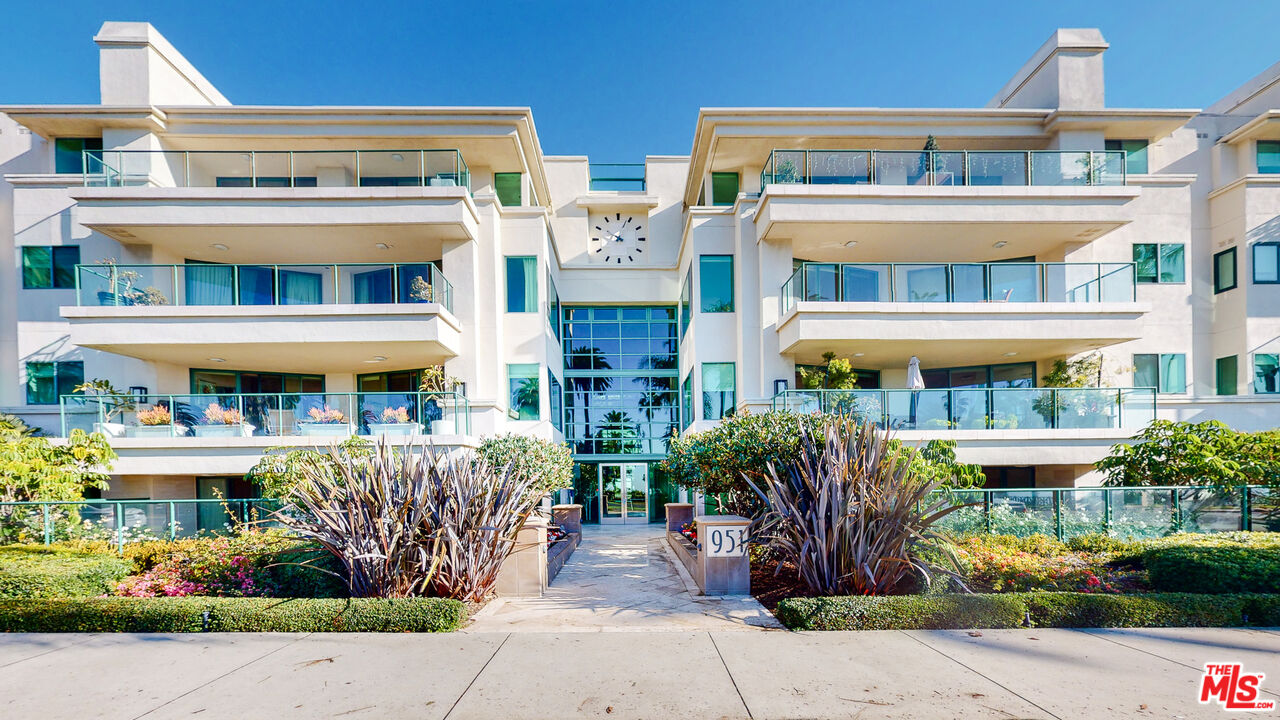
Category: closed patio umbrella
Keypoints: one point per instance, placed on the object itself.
(915, 381)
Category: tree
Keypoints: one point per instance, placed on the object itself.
(834, 374)
(1206, 453)
(549, 464)
(32, 468)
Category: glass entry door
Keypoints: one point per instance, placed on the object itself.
(624, 493)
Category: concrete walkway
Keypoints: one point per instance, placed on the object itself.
(623, 578)
(918, 674)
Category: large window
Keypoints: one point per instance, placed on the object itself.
(686, 400)
(507, 185)
(557, 401)
(1225, 370)
(68, 154)
(686, 290)
(1167, 372)
(522, 284)
(719, 386)
(1224, 271)
(1160, 263)
(1268, 156)
(48, 381)
(1008, 375)
(525, 391)
(227, 382)
(1266, 263)
(553, 305)
(46, 267)
(1266, 373)
(724, 188)
(620, 380)
(1135, 154)
(715, 283)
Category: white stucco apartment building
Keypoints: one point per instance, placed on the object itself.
(252, 276)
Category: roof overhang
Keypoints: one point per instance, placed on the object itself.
(51, 121)
(1263, 127)
(1151, 125)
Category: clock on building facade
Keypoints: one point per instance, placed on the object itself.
(618, 238)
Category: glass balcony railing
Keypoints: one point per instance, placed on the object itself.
(319, 415)
(301, 284)
(276, 168)
(982, 408)
(618, 176)
(960, 282)
(989, 168)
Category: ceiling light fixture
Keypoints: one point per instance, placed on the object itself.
(851, 243)
(217, 360)
(397, 157)
(859, 354)
(999, 244)
(376, 359)
(382, 246)
(1010, 354)
(218, 246)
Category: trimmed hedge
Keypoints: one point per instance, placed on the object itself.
(1041, 609)
(1086, 610)
(902, 612)
(33, 571)
(188, 614)
(1214, 568)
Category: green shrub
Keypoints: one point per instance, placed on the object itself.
(550, 463)
(1262, 610)
(1100, 543)
(1213, 568)
(35, 571)
(1084, 610)
(902, 612)
(231, 615)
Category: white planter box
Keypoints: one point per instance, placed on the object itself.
(236, 430)
(109, 429)
(444, 427)
(325, 429)
(149, 431)
(395, 429)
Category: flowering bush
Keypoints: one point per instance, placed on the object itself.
(327, 416)
(690, 530)
(395, 415)
(215, 414)
(207, 568)
(1006, 564)
(158, 415)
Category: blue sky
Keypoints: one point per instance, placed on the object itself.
(618, 80)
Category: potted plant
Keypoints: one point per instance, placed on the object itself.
(154, 421)
(220, 422)
(421, 291)
(329, 422)
(113, 403)
(437, 392)
(395, 421)
(123, 288)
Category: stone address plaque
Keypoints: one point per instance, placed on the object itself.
(724, 540)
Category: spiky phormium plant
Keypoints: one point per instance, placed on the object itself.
(850, 511)
(406, 521)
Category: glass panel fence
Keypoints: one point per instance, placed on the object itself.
(227, 415)
(1022, 512)
(1082, 513)
(901, 168)
(997, 168)
(1016, 282)
(839, 167)
(948, 168)
(1264, 509)
(865, 283)
(301, 284)
(1209, 510)
(961, 282)
(1138, 513)
(1000, 408)
(907, 167)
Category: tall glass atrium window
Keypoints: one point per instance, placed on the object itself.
(620, 380)
(1269, 156)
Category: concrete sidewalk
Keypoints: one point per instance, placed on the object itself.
(917, 674)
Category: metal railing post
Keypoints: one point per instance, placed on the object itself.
(1057, 514)
(1106, 511)
(186, 168)
(253, 168)
(293, 182)
(48, 525)
(1175, 510)
(119, 527)
(1030, 175)
(357, 152)
(986, 509)
(173, 519)
(422, 168)
(1246, 522)
(235, 284)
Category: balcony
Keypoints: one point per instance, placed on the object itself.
(185, 199)
(235, 416)
(617, 177)
(941, 205)
(260, 316)
(949, 313)
(998, 168)
(983, 409)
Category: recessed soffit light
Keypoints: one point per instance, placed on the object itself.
(217, 360)
(382, 246)
(218, 246)
(851, 243)
(999, 244)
